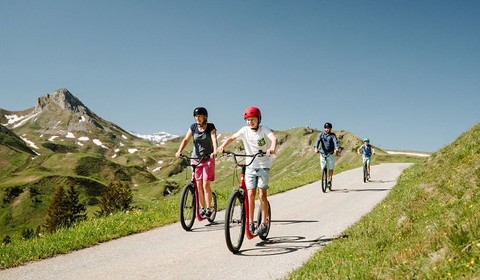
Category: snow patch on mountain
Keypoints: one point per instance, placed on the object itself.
(159, 137)
(99, 143)
(18, 120)
(29, 143)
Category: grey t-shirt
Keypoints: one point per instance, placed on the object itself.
(202, 140)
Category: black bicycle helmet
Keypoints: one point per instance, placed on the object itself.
(327, 125)
(200, 111)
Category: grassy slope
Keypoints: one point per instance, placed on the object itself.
(427, 228)
(11, 140)
(86, 165)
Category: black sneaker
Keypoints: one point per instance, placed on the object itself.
(203, 212)
(329, 185)
(208, 212)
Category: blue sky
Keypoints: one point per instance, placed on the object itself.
(404, 73)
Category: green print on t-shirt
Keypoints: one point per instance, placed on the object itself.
(261, 142)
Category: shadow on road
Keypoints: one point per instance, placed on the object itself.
(380, 181)
(220, 224)
(216, 225)
(288, 222)
(359, 190)
(283, 245)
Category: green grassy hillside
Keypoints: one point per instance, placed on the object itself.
(428, 227)
(156, 202)
(12, 141)
(152, 171)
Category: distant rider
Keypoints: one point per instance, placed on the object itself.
(366, 150)
(327, 145)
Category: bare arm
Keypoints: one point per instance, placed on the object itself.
(214, 142)
(273, 146)
(226, 143)
(184, 142)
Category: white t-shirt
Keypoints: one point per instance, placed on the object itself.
(253, 141)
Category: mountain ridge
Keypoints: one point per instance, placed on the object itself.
(60, 141)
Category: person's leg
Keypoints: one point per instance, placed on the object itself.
(200, 193)
(251, 203)
(208, 194)
(322, 162)
(251, 183)
(201, 198)
(331, 166)
(208, 176)
(263, 178)
(264, 204)
(368, 166)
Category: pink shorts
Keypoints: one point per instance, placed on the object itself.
(205, 171)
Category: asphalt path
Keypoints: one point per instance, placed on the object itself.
(304, 220)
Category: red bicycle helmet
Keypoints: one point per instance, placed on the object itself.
(252, 111)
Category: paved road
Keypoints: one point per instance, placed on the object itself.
(303, 221)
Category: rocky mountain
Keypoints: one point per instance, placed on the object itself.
(62, 117)
(60, 141)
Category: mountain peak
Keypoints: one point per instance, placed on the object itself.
(63, 99)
